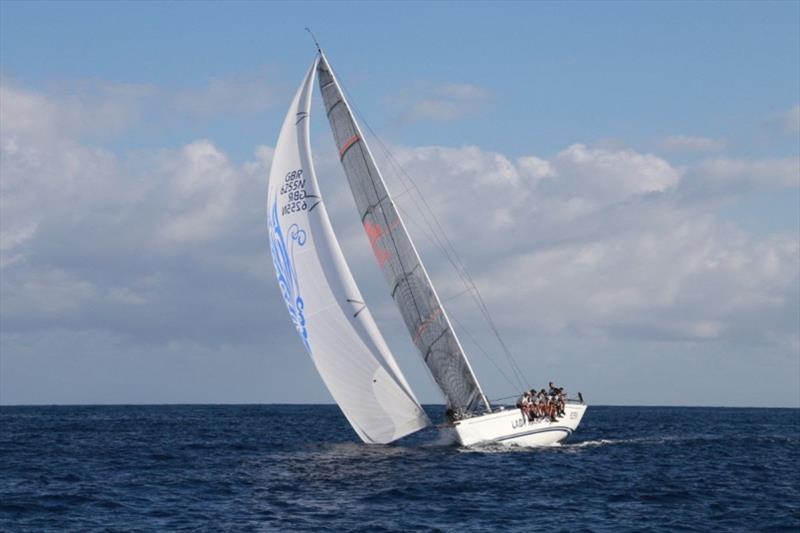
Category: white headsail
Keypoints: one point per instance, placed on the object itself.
(327, 309)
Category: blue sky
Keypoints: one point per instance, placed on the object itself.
(634, 167)
(560, 70)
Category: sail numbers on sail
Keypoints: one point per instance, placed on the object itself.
(294, 190)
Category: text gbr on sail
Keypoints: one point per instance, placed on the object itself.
(294, 187)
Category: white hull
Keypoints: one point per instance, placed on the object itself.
(509, 427)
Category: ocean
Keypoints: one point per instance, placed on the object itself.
(301, 467)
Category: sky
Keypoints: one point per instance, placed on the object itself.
(622, 181)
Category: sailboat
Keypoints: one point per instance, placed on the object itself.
(332, 319)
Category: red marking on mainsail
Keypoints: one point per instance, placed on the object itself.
(375, 232)
(422, 327)
(350, 142)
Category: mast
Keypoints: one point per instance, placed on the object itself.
(418, 292)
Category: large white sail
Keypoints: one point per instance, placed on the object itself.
(410, 286)
(327, 309)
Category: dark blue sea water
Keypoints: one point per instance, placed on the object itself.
(286, 467)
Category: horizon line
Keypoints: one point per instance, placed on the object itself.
(178, 404)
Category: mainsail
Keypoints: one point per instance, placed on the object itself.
(327, 309)
(405, 274)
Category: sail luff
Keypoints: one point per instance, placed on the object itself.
(384, 203)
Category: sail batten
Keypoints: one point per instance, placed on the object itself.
(409, 283)
(320, 294)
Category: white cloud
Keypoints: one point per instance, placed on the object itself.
(12, 237)
(601, 176)
(453, 178)
(139, 245)
(481, 168)
(677, 275)
(95, 110)
(25, 113)
(202, 184)
(441, 102)
(48, 292)
(535, 169)
(45, 173)
(126, 296)
(730, 172)
(70, 111)
(231, 95)
(591, 239)
(689, 143)
(461, 91)
(595, 242)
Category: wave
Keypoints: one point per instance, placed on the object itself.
(635, 440)
(501, 448)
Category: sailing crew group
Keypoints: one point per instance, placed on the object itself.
(543, 404)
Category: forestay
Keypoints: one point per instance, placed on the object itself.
(408, 281)
(327, 309)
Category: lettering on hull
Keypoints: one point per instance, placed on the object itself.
(521, 423)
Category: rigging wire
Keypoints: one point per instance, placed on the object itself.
(455, 319)
(470, 288)
(505, 398)
(446, 247)
(485, 353)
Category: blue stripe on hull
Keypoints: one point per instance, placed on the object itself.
(534, 431)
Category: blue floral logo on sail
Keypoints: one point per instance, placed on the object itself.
(283, 259)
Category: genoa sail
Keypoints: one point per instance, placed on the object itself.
(324, 303)
(410, 286)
